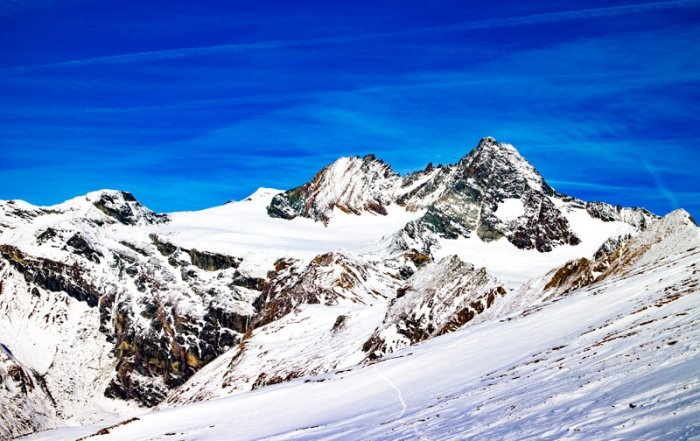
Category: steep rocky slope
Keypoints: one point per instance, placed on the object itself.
(619, 258)
(614, 359)
(348, 321)
(100, 309)
(439, 299)
(25, 402)
(492, 192)
(313, 318)
(622, 256)
(351, 185)
(116, 307)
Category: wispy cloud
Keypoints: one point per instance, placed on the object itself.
(8, 7)
(587, 103)
(661, 185)
(577, 14)
(525, 20)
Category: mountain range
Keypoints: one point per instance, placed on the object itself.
(469, 300)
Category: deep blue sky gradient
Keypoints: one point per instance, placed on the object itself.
(190, 104)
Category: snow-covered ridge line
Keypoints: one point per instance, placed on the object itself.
(492, 192)
(164, 310)
(616, 359)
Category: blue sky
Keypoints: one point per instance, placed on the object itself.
(190, 104)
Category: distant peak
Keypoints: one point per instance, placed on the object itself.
(488, 140)
(107, 193)
(263, 193)
(124, 207)
(351, 184)
(680, 216)
(490, 143)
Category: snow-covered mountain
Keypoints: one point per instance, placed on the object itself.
(351, 185)
(493, 192)
(615, 359)
(108, 308)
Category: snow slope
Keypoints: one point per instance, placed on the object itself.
(615, 360)
(101, 297)
(244, 229)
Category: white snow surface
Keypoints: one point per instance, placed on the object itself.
(244, 229)
(392, 395)
(510, 209)
(614, 360)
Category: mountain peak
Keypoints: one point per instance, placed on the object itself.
(680, 217)
(112, 194)
(488, 140)
(124, 207)
(460, 199)
(351, 184)
(492, 144)
(262, 193)
(500, 167)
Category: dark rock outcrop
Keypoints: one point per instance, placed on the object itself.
(124, 207)
(460, 199)
(438, 299)
(52, 275)
(83, 247)
(542, 227)
(205, 260)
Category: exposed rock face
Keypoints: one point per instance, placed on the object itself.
(153, 360)
(328, 279)
(416, 237)
(460, 199)
(573, 275)
(124, 207)
(468, 197)
(51, 275)
(352, 185)
(205, 260)
(637, 217)
(81, 246)
(26, 405)
(164, 311)
(212, 261)
(183, 320)
(619, 255)
(436, 300)
(671, 235)
(542, 227)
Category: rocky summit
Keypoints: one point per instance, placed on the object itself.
(464, 289)
(460, 199)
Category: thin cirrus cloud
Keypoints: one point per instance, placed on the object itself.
(612, 69)
(552, 17)
(586, 103)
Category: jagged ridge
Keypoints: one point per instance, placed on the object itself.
(460, 199)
